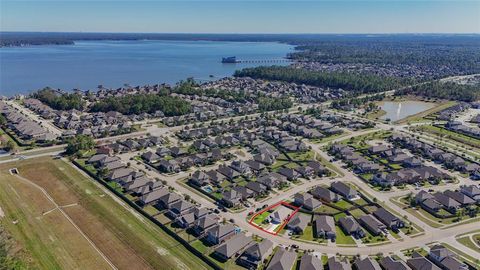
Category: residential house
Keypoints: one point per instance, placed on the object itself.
(232, 246)
(418, 262)
(351, 227)
(317, 167)
(231, 198)
(289, 173)
(280, 214)
(388, 263)
(272, 180)
(241, 167)
(179, 208)
(448, 203)
(169, 199)
(229, 173)
(335, 263)
(471, 191)
(324, 227)
(310, 262)
(298, 223)
(219, 233)
(463, 199)
(257, 188)
(283, 259)
(255, 167)
(168, 166)
(199, 178)
(445, 259)
(324, 194)
(204, 223)
(153, 196)
(366, 264)
(307, 201)
(374, 226)
(254, 255)
(151, 157)
(387, 218)
(345, 190)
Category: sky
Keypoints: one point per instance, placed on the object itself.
(247, 16)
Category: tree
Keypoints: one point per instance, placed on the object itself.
(10, 146)
(80, 143)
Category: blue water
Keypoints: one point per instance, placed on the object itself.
(88, 64)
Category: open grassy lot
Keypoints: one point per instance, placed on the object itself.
(127, 240)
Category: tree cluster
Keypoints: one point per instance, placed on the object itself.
(79, 143)
(348, 81)
(356, 102)
(273, 104)
(444, 90)
(57, 101)
(143, 103)
(189, 87)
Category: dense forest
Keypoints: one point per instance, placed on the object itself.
(444, 90)
(143, 103)
(66, 101)
(457, 54)
(348, 81)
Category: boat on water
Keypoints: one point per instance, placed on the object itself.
(231, 59)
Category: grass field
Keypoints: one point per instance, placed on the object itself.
(127, 240)
(466, 241)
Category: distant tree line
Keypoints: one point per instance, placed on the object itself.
(143, 103)
(455, 54)
(66, 101)
(444, 90)
(348, 81)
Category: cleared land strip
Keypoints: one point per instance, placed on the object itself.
(129, 242)
(69, 219)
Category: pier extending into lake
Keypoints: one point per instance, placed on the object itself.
(264, 61)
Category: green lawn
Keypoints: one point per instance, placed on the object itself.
(357, 213)
(343, 204)
(342, 238)
(339, 216)
(325, 209)
(260, 218)
(307, 234)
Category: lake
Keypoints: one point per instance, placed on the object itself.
(88, 64)
(396, 110)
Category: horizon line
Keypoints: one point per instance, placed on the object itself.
(249, 33)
